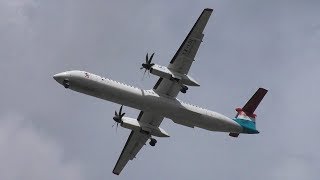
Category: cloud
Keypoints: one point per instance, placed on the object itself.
(294, 168)
(16, 11)
(26, 153)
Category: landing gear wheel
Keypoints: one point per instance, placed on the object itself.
(152, 142)
(66, 83)
(184, 89)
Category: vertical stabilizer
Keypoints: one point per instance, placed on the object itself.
(255, 100)
(245, 115)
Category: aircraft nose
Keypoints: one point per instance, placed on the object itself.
(60, 77)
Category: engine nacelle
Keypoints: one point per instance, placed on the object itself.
(135, 125)
(166, 73)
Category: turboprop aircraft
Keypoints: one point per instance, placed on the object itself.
(161, 101)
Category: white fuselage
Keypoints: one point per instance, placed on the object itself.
(148, 101)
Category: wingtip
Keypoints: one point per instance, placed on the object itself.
(263, 89)
(208, 9)
(116, 173)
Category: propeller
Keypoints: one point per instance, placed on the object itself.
(118, 117)
(147, 65)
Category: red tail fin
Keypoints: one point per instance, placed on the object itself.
(255, 100)
(246, 117)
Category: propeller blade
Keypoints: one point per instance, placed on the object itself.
(144, 73)
(149, 73)
(147, 58)
(117, 127)
(120, 110)
(150, 58)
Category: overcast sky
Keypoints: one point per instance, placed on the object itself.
(48, 132)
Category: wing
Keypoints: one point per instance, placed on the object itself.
(186, 53)
(133, 145)
(136, 141)
(182, 60)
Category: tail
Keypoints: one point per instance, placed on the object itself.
(246, 117)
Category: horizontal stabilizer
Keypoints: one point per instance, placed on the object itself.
(255, 100)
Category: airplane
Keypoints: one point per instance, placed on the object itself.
(161, 101)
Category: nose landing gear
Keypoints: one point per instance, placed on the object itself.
(152, 142)
(66, 83)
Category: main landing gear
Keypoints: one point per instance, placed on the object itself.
(184, 89)
(152, 142)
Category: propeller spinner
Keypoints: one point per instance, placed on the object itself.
(147, 65)
(118, 116)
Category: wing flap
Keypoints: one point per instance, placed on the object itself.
(167, 87)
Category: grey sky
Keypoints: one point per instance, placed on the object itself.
(47, 132)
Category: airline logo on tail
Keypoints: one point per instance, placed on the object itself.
(246, 117)
(242, 115)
